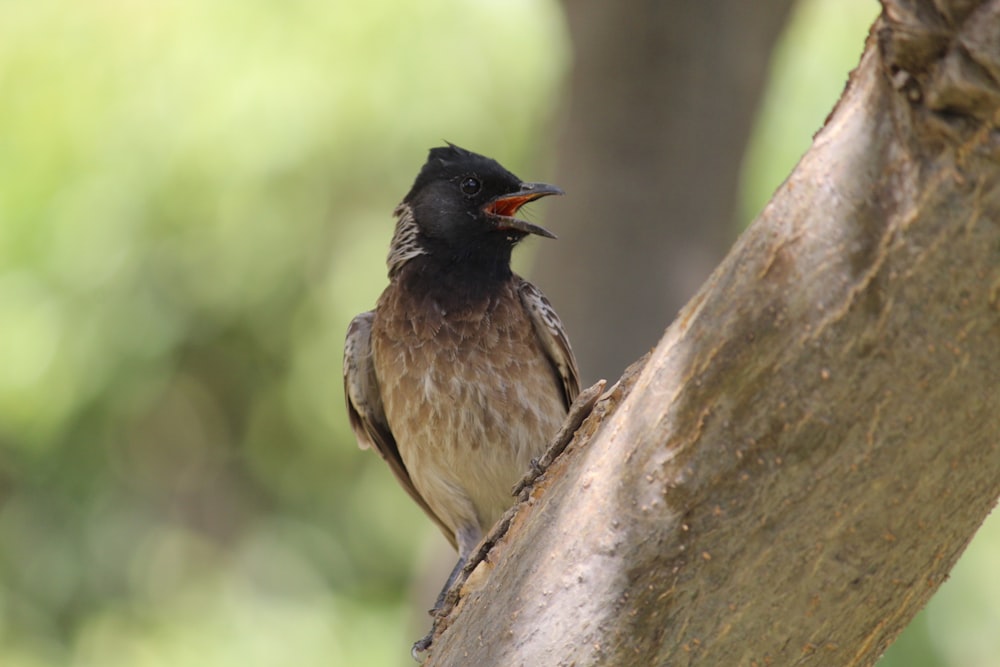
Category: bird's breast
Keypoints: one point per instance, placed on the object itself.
(468, 392)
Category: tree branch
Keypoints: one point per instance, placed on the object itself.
(804, 456)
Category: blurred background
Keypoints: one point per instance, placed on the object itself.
(195, 199)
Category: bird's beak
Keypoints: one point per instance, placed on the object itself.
(505, 207)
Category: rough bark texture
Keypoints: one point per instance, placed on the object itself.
(661, 103)
(799, 463)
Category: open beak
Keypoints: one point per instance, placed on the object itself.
(505, 207)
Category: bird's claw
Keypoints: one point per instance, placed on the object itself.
(420, 647)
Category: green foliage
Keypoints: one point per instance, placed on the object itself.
(196, 199)
(821, 45)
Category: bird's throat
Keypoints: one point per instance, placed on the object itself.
(459, 281)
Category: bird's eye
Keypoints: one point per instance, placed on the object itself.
(471, 185)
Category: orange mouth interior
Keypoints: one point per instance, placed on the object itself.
(508, 206)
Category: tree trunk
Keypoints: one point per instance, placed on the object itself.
(650, 151)
(801, 460)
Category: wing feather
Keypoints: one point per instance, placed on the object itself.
(552, 336)
(366, 413)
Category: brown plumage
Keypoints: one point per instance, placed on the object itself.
(462, 373)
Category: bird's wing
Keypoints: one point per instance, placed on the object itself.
(552, 336)
(367, 416)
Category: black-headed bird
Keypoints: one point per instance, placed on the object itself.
(462, 373)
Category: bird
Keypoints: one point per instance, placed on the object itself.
(463, 372)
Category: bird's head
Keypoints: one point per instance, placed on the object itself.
(465, 204)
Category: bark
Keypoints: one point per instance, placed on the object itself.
(795, 468)
(662, 101)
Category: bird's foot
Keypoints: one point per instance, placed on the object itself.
(420, 647)
(536, 466)
(578, 412)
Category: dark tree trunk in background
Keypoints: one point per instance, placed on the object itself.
(662, 99)
(804, 456)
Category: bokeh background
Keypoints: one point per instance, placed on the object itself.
(195, 199)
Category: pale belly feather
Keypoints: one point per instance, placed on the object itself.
(470, 411)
